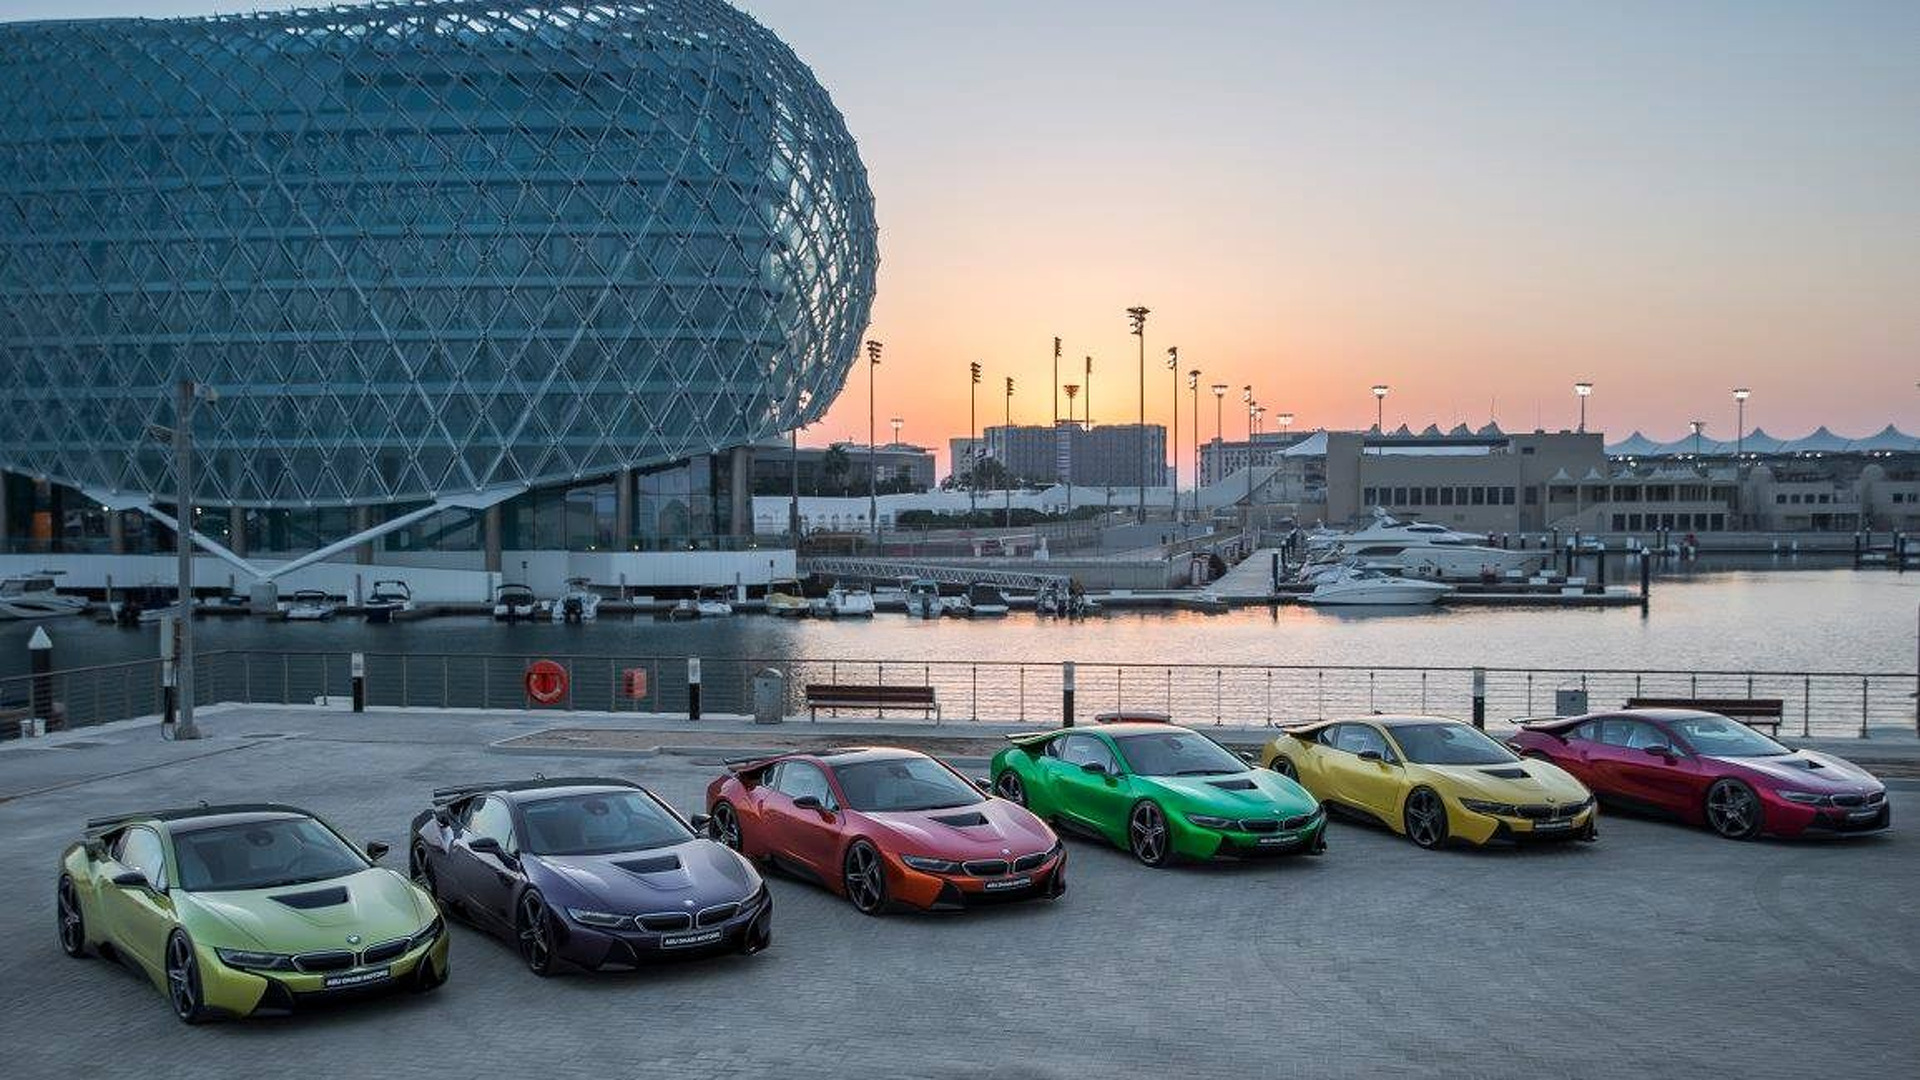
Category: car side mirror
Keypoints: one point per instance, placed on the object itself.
(1372, 755)
(700, 822)
(443, 816)
(377, 849)
(1662, 751)
(132, 879)
(812, 802)
(983, 784)
(1093, 767)
(487, 845)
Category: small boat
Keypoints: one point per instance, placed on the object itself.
(956, 607)
(849, 601)
(786, 599)
(387, 599)
(578, 604)
(512, 603)
(985, 600)
(310, 605)
(1357, 587)
(711, 602)
(923, 599)
(34, 596)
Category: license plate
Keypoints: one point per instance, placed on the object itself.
(685, 941)
(1008, 883)
(1278, 841)
(356, 978)
(1551, 826)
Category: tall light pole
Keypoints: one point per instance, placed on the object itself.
(1583, 390)
(1380, 408)
(1137, 315)
(1056, 382)
(1286, 422)
(1086, 414)
(793, 496)
(873, 468)
(1740, 396)
(1698, 426)
(1219, 428)
(973, 437)
(1006, 469)
(1246, 395)
(1071, 389)
(1193, 386)
(188, 393)
(1173, 365)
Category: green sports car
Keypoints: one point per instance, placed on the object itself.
(1158, 790)
(235, 910)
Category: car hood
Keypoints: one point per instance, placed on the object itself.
(1253, 793)
(375, 905)
(984, 830)
(1525, 781)
(1808, 770)
(693, 874)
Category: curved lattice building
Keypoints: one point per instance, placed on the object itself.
(419, 251)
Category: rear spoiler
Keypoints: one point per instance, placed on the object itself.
(1303, 731)
(445, 795)
(740, 766)
(1556, 726)
(181, 813)
(1031, 739)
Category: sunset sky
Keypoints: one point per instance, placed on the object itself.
(1476, 203)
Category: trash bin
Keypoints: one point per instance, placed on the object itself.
(1569, 702)
(770, 696)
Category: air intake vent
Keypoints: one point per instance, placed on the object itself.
(1241, 784)
(963, 821)
(1507, 774)
(318, 898)
(658, 865)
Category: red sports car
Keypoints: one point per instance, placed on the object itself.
(885, 827)
(1707, 769)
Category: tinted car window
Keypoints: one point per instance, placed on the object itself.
(1721, 737)
(139, 849)
(1630, 734)
(799, 779)
(1355, 738)
(599, 824)
(1082, 749)
(1590, 731)
(263, 855)
(491, 818)
(1177, 753)
(902, 784)
(1449, 744)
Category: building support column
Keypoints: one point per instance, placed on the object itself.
(116, 529)
(623, 510)
(362, 521)
(490, 530)
(237, 531)
(740, 487)
(6, 523)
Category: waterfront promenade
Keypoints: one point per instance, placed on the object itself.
(1660, 950)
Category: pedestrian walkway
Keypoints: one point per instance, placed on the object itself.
(1252, 577)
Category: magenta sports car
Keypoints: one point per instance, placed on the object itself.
(1705, 768)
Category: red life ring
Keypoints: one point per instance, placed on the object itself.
(546, 682)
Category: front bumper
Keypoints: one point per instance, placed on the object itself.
(236, 992)
(746, 930)
(1475, 827)
(1788, 819)
(953, 892)
(1192, 841)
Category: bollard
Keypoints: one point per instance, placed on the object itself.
(359, 668)
(169, 694)
(1646, 580)
(40, 696)
(1856, 551)
(1480, 698)
(693, 688)
(1276, 573)
(1601, 570)
(1066, 693)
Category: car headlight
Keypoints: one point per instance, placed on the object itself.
(1208, 821)
(1804, 798)
(1497, 809)
(428, 934)
(248, 960)
(606, 920)
(930, 864)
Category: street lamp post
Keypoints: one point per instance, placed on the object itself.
(1006, 468)
(1219, 428)
(793, 496)
(1173, 365)
(188, 393)
(1086, 414)
(973, 437)
(873, 468)
(1193, 385)
(1740, 396)
(1138, 316)
(1697, 426)
(1253, 410)
(1286, 422)
(1583, 390)
(1071, 389)
(1380, 408)
(1056, 381)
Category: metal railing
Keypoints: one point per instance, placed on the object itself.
(1829, 703)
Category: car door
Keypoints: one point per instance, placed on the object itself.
(1575, 754)
(1367, 786)
(486, 882)
(808, 836)
(1096, 799)
(1625, 770)
(139, 920)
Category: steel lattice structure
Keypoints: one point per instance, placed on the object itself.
(418, 249)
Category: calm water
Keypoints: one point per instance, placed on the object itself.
(1770, 619)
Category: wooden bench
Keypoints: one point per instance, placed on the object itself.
(837, 696)
(1753, 712)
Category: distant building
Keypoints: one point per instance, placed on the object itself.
(1121, 455)
(901, 467)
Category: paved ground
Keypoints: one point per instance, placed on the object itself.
(1658, 951)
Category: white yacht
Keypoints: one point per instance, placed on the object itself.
(512, 603)
(387, 599)
(310, 605)
(985, 599)
(1356, 586)
(34, 596)
(578, 604)
(923, 599)
(786, 599)
(849, 601)
(712, 603)
(1424, 549)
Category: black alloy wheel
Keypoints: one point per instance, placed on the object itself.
(1283, 765)
(1426, 818)
(1733, 809)
(534, 925)
(724, 825)
(73, 927)
(421, 870)
(1147, 834)
(183, 980)
(1010, 788)
(865, 879)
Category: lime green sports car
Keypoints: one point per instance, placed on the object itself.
(1158, 790)
(236, 910)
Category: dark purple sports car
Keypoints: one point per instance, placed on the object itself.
(588, 872)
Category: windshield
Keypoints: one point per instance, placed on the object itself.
(263, 855)
(1720, 737)
(896, 785)
(599, 824)
(1177, 752)
(1448, 744)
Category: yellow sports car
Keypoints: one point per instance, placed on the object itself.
(1432, 780)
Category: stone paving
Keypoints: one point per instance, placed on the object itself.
(1659, 951)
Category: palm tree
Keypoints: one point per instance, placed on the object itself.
(835, 464)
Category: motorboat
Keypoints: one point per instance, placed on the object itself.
(923, 599)
(985, 600)
(512, 603)
(35, 596)
(711, 602)
(310, 605)
(785, 598)
(955, 607)
(387, 599)
(849, 601)
(1384, 528)
(1063, 598)
(578, 604)
(1357, 586)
